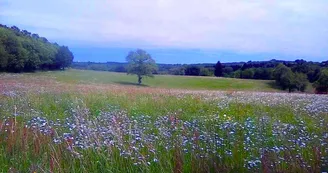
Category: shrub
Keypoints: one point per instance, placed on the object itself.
(247, 74)
(321, 85)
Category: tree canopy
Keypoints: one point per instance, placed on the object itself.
(192, 70)
(218, 69)
(321, 84)
(141, 64)
(22, 51)
(287, 79)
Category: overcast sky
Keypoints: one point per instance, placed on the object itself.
(178, 31)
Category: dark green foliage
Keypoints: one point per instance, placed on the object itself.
(301, 66)
(17, 54)
(237, 74)
(321, 85)
(21, 51)
(192, 71)
(218, 69)
(300, 81)
(34, 55)
(109, 66)
(4, 56)
(287, 79)
(177, 71)
(227, 71)
(141, 64)
(310, 69)
(64, 58)
(313, 74)
(280, 70)
(246, 66)
(247, 74)
(120, 69)
(263, 73)
(284, 77)
(206, 72)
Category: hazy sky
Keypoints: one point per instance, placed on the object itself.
(178, 31)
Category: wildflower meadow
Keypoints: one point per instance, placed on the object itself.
(48, 125)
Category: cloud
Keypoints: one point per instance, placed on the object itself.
(293, 27)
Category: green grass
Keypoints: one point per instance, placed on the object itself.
(162, 81)
(59, 106)
(36, 153)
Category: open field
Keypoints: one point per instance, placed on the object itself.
(163, 81)
(77, 121)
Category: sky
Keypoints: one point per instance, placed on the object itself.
(178, 31)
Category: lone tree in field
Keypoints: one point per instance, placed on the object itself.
(141, 64)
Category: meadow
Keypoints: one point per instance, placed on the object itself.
(164, 81)
(85, 121)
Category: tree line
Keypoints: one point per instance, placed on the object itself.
(293, 76)
(163, 69)
(23, 51)
(245, 70)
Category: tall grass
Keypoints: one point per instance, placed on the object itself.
(138, 132)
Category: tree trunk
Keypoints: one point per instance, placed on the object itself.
(139, 80)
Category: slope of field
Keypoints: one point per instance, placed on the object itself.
(163, 81)
(51, 124)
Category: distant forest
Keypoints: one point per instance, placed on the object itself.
(288, 75)
(245, 70)
(22, 51)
